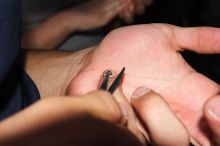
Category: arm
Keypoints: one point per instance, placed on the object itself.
(43, 124)
(158, 66)
(53, 70)
(87, 16)
(49, 34)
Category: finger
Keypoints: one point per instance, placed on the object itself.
(128, 15)
(198, 39)
(148, 2)
(104, 106)
(163, 126)
(114, 9)
(83, 83)
(212, 115)
(126, 109)
(125, 8)
(105, 81)
(112, 4)
(139, 6)
(122, 14)
(128, 12)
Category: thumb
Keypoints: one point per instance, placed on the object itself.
(83, 83)
(212, 115)
(161, 123)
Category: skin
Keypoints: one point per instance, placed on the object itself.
(43, 124)
(84, 17)
(160, 67)
(134, 7)
(211, 113)
(87, 16)
(175, 80)
(164, 130)
(51, 67)
(45, 66)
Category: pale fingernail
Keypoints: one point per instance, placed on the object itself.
(140, 91)
(214, 108)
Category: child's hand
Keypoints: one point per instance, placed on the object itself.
(93, 14)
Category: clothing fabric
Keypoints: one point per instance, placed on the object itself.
(17, 90)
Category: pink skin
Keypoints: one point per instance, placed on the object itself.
(134, 7)
(150, 55)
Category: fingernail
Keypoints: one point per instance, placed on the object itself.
(214, 108)
(140, 91)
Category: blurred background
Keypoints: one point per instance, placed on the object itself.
(184, 13)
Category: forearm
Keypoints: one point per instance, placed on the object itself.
(65, 121)
(49, 34)
(51, 121)
(38, 118)
(53, 70)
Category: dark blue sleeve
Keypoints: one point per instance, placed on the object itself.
(9, 34)
(17, 90)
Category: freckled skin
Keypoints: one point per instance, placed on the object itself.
(150, 56)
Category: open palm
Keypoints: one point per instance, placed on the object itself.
(150, 55)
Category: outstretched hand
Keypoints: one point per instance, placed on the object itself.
(94, 14)
(151, 56)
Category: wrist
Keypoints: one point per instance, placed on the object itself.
(52, 71)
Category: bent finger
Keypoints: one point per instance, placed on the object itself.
(212, 115)
(139, 6)
(161, 123)
(126, 109)
(114, 10)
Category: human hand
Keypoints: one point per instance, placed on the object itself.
(163, 127)
(134, 7)
(68, 121)
(211, 113)
(167, 131)
(150, 55)
(93, 14)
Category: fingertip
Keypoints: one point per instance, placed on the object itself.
(212, 115)
(139, 96)
(82, 84)
(212, 109)
(157, 117)
(139, 92)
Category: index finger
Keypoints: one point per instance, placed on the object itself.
(163, 126)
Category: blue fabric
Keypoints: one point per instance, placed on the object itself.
(17, 90)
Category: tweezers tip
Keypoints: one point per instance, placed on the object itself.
(122, 71)
(117, 81)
